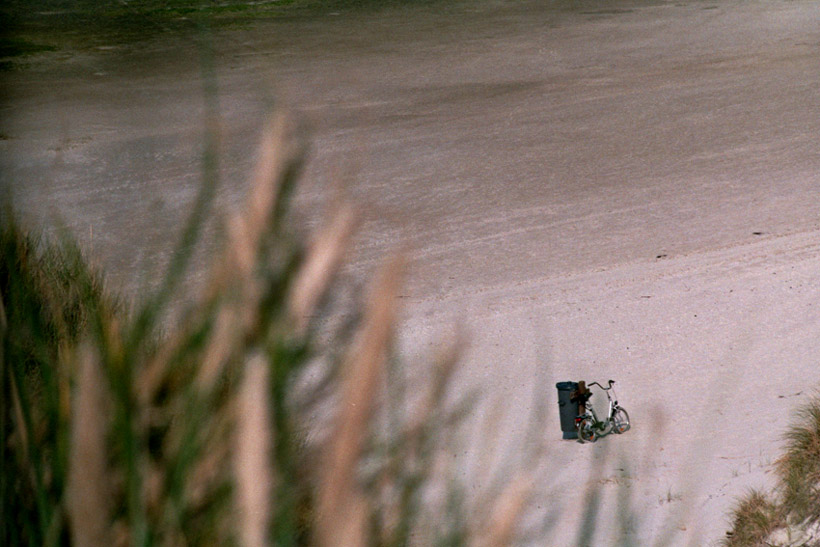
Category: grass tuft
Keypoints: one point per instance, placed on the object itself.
(798, 469)
(793, 510)
(756, 516)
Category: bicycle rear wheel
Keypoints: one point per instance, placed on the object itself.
(586, 430)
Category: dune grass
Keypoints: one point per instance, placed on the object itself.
(231, 424)
(789, 515)
(756, 516)
(799, 467)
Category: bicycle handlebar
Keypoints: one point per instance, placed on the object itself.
(602, 387)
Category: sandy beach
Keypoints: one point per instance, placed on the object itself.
(629, 191)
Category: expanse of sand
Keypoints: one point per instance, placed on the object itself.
(626, 191)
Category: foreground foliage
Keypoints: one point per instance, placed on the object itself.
(224, 425)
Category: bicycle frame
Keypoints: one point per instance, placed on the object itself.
(597, 427)
(590, 411)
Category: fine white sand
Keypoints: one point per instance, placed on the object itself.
(593, 192)
(711, 352)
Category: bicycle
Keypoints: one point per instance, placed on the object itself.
(590, 428)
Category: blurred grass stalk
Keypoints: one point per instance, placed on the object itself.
(121, 430)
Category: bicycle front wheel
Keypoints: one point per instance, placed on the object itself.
(620, 421)
(586, 430)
